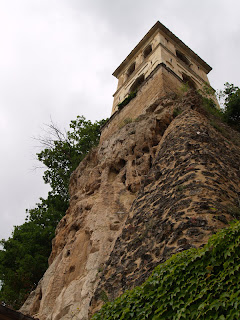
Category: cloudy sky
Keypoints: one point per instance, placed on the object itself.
(57, 59)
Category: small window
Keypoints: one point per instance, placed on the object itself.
(182, 57)
(137, 83)
(147, 51)
(131, 69)
(188, 80)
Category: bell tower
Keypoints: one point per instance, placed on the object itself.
(160, 63)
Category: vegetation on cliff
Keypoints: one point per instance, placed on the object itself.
(64, 152)
(24, 257)
(194, 284)
(229, 99)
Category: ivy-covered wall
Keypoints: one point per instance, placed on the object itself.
(194, 284)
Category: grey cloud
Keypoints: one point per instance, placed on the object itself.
(56, 60)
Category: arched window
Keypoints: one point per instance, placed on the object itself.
(182, 57)
(131, 69)
(137, 83)
(147, 51)
(188, 80)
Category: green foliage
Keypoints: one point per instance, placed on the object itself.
(229, 99)
(184, 87)
(64, 154)
(103, 296)
(127, 100)
(219, 127)
(210, 106)
(24, 257)
(194, 284)
(181, 188)
(231, 96)
(176, 112)
(220, 116)
(208, 90)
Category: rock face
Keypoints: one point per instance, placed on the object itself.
(161, 184)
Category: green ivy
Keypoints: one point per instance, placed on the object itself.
(194, 284)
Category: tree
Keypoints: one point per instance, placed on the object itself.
(64, 152)
(24, 257)
(231, 96)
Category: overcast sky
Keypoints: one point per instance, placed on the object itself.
(57, 59)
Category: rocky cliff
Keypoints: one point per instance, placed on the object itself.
(162, 184)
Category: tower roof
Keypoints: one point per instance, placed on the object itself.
(159, 26)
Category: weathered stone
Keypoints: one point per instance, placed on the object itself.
(127, 214)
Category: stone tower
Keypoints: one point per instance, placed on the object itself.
(159, 64)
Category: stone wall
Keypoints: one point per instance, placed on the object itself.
(159, 83)
(190, 191)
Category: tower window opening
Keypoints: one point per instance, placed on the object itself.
(131, 69)
(188, 80)
(137, 83)
(147, 51)
(182, 57)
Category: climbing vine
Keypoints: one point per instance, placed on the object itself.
(194, 284)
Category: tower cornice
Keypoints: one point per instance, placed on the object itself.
(159, 26)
